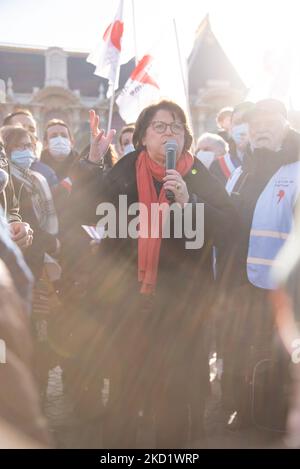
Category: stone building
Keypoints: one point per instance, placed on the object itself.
(57, 83)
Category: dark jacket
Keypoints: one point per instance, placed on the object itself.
(151, 345)
(185, 276)
(87, 190)
(225, 135)
(258, 168)
(63, 197)
(46, 171)
(42, 242)
(80, 209)
(63, 168)
(8, 200)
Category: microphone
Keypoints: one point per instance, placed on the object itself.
(171, 150)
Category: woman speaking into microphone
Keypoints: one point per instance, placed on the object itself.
(154, 293)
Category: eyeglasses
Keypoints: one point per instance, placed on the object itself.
(25, 146)
(161, 127)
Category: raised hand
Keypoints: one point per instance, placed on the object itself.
(99, 140)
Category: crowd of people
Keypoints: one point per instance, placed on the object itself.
(144, 313)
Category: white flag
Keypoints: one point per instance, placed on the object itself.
(277, 77)
(106, 56)
(139, 91)
(157, 75)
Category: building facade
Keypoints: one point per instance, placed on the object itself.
(57, 83)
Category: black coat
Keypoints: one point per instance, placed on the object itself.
(155, 348)
(258, 168)
(185, 276)
(42, 242)
(63, 168)
(8, 200)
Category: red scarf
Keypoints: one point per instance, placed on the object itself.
(149, 248)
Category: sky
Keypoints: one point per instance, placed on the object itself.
(245, 29)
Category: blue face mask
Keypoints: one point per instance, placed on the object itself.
(206, 157)
(23, 158)
(128, 148)
(240, 134)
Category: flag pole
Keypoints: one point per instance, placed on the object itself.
(111, 107)
(134, 33)
(182, 76)
(116, 77)
(135, 43)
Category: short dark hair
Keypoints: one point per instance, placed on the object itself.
(11, 134)
(17, 112)
(52, 123)
(110, 157)
(224, 112)
(127, 128)
(243, 108)
(146, 117)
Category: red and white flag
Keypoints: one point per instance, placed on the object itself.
(157, 75)
(106, 56)
(139, 91)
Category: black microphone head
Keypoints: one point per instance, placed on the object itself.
(171, 145)
(171, 148)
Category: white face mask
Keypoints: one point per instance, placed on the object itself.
(59, 147)
(206, 157)
(128, 148)
(240, 134)
(23, 158)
